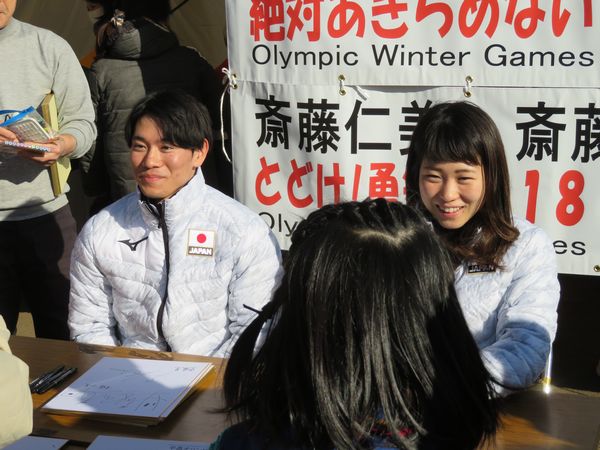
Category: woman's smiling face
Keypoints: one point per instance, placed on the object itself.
(451, 191)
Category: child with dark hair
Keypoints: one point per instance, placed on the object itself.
(357, 356)
(505, 267)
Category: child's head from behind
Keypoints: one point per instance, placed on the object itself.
(366, 323)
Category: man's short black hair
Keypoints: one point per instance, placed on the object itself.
(182, 119)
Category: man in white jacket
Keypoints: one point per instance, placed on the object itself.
(178, 265)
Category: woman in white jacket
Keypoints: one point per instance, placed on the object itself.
(506, 275)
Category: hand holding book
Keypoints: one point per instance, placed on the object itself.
(7, 135)
(34, 137)
(27, 134)
(55, 148)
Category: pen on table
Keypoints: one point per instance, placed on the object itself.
(48, 379)
(44, 377)
(56, 380)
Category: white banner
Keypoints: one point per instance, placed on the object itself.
(416, 43)
(298, 147)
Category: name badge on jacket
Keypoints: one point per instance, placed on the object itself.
(480, 268)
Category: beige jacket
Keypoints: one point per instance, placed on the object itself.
(16, 410)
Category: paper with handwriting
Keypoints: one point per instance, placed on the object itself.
(130, 387)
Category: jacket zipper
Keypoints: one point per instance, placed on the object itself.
(162, 224)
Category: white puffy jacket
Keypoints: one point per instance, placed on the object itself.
(512, 312)
(124, 291)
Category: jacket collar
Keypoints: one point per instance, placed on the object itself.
(176, 205)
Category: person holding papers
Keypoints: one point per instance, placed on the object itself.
(177, 265)
(37, 229)
(358, 356)
(16, 410)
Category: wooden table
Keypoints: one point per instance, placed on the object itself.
(562, 419)
(193, 420)
(532, 420)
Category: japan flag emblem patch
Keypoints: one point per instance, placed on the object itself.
(201, 243)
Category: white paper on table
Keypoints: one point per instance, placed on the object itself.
(113, 442)
(130, 387)
(36, 443)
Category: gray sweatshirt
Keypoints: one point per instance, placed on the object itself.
(34, 62)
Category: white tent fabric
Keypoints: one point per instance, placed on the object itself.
(198, 23)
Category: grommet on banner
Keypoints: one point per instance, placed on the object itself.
(597, 268)
(342, 79)
(231, 81)
(361, 92)
(467, 88)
